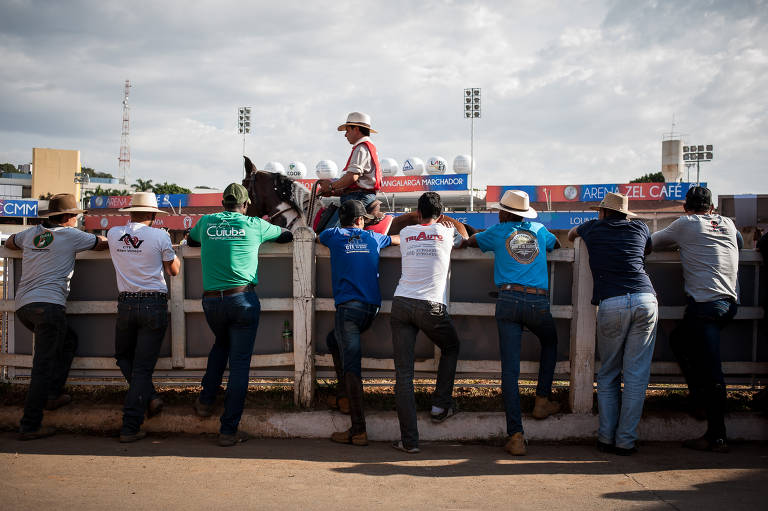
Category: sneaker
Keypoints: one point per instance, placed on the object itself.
(202, 410)
(603, 447)
(437, 418)
(346, 437)
(230, 440)
(400, 447)
(155, 407)
(62, 400)
(516, 445)
(544, 407)
(41, 432)
(126, 439)
(705, 444)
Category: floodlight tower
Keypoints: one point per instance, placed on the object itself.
(472, 112)
(244, 122)
(125, 151)
(698, 154)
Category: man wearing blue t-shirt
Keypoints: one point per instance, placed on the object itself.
(520, 272)
(626, 320)
(355, 282)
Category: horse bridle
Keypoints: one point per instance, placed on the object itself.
(281, 212)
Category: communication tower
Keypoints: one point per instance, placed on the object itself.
(125, 150)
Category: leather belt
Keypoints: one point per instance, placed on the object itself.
(230, 291)
(142, 294)
(523, 289)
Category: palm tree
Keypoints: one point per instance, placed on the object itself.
(142, 185)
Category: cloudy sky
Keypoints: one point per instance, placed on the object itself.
(573, 91)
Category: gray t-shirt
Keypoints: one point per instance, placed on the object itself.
(708, 251)
(48, 261)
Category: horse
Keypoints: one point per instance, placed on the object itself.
(282, 201)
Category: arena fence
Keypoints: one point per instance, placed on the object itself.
(294, 286)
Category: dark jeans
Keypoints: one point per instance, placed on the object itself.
(55, 346)
(696, 345)
(515, 310)
(234, 320)
(408, 317)
(352, 319)
(139, 332)
(364, 197)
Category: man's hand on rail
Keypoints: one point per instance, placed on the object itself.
(469, 242)
(11, 243)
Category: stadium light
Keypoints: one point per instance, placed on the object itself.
(695, 154)
(472, 111)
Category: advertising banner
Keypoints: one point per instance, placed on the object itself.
(552, 220)
(173, 222)
(595, 193)
(439, 183)
(18, 207)
(164, 200)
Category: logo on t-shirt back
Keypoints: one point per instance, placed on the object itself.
(356, 245)
(129, 240)
(43, 239)
(523, 246)
(224, 231)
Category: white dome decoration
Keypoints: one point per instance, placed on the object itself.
(327, 169)
(436, 165)
(275, 167)
(389, 167)
(413, 166)
(462, 164)
(296, 170)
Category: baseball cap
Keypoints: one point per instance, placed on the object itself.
(698, 197)
(350, 210)
(235, 193)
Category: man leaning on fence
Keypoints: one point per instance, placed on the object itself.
(421, 303)
(140, 253)
(626, 320)
(709, 252)
(355, 280)
(520, 272)
(229, 255)
(48, 262)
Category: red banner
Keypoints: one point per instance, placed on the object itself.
(172, 222)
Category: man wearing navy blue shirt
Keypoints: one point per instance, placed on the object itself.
(355, 282)
(626, 320)
(520, 271)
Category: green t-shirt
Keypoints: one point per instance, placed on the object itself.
(230, 248)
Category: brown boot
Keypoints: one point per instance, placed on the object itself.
(340, 403)
(346, 437)
(544, 407)
(516, 445)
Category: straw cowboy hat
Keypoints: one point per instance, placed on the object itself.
(517, 203)
(615, 201)
(61, 204)
(358, 119)
(144, 202)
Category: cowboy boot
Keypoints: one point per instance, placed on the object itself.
(338, 400)
(356, 435)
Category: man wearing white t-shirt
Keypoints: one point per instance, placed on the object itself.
(140, 253)
(420, 303)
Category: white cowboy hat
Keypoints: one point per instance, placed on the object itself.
(517, 203)
(615, 201)
(145, 202)
(358, 119)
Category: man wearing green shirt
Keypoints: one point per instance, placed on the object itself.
(229, 254)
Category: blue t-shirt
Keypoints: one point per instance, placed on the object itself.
(520, 250)
(617, 257)
(354, 263)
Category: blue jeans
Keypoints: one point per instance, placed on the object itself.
(626, 335)
(352, 319)
(696, 345)
(139, 332)
(515, 310)
(410, 315)
(234, 320)
(364, 197)
(55, 346)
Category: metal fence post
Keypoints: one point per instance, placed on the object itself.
(582, 354)
(304, 316)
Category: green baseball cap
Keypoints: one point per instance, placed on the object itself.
(235, 193)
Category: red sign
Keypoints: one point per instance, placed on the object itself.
(172, 222)
(204, 199)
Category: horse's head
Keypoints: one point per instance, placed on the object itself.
(274, 196)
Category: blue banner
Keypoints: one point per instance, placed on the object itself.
(18, 207)
(165, 200)
(552, 220)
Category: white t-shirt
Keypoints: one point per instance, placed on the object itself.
(426, 259)
(48, 261)
(138, 252)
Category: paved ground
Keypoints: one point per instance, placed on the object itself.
(187, 472)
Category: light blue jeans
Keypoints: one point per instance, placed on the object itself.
(626, 334)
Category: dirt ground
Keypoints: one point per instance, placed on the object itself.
(184, 472)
